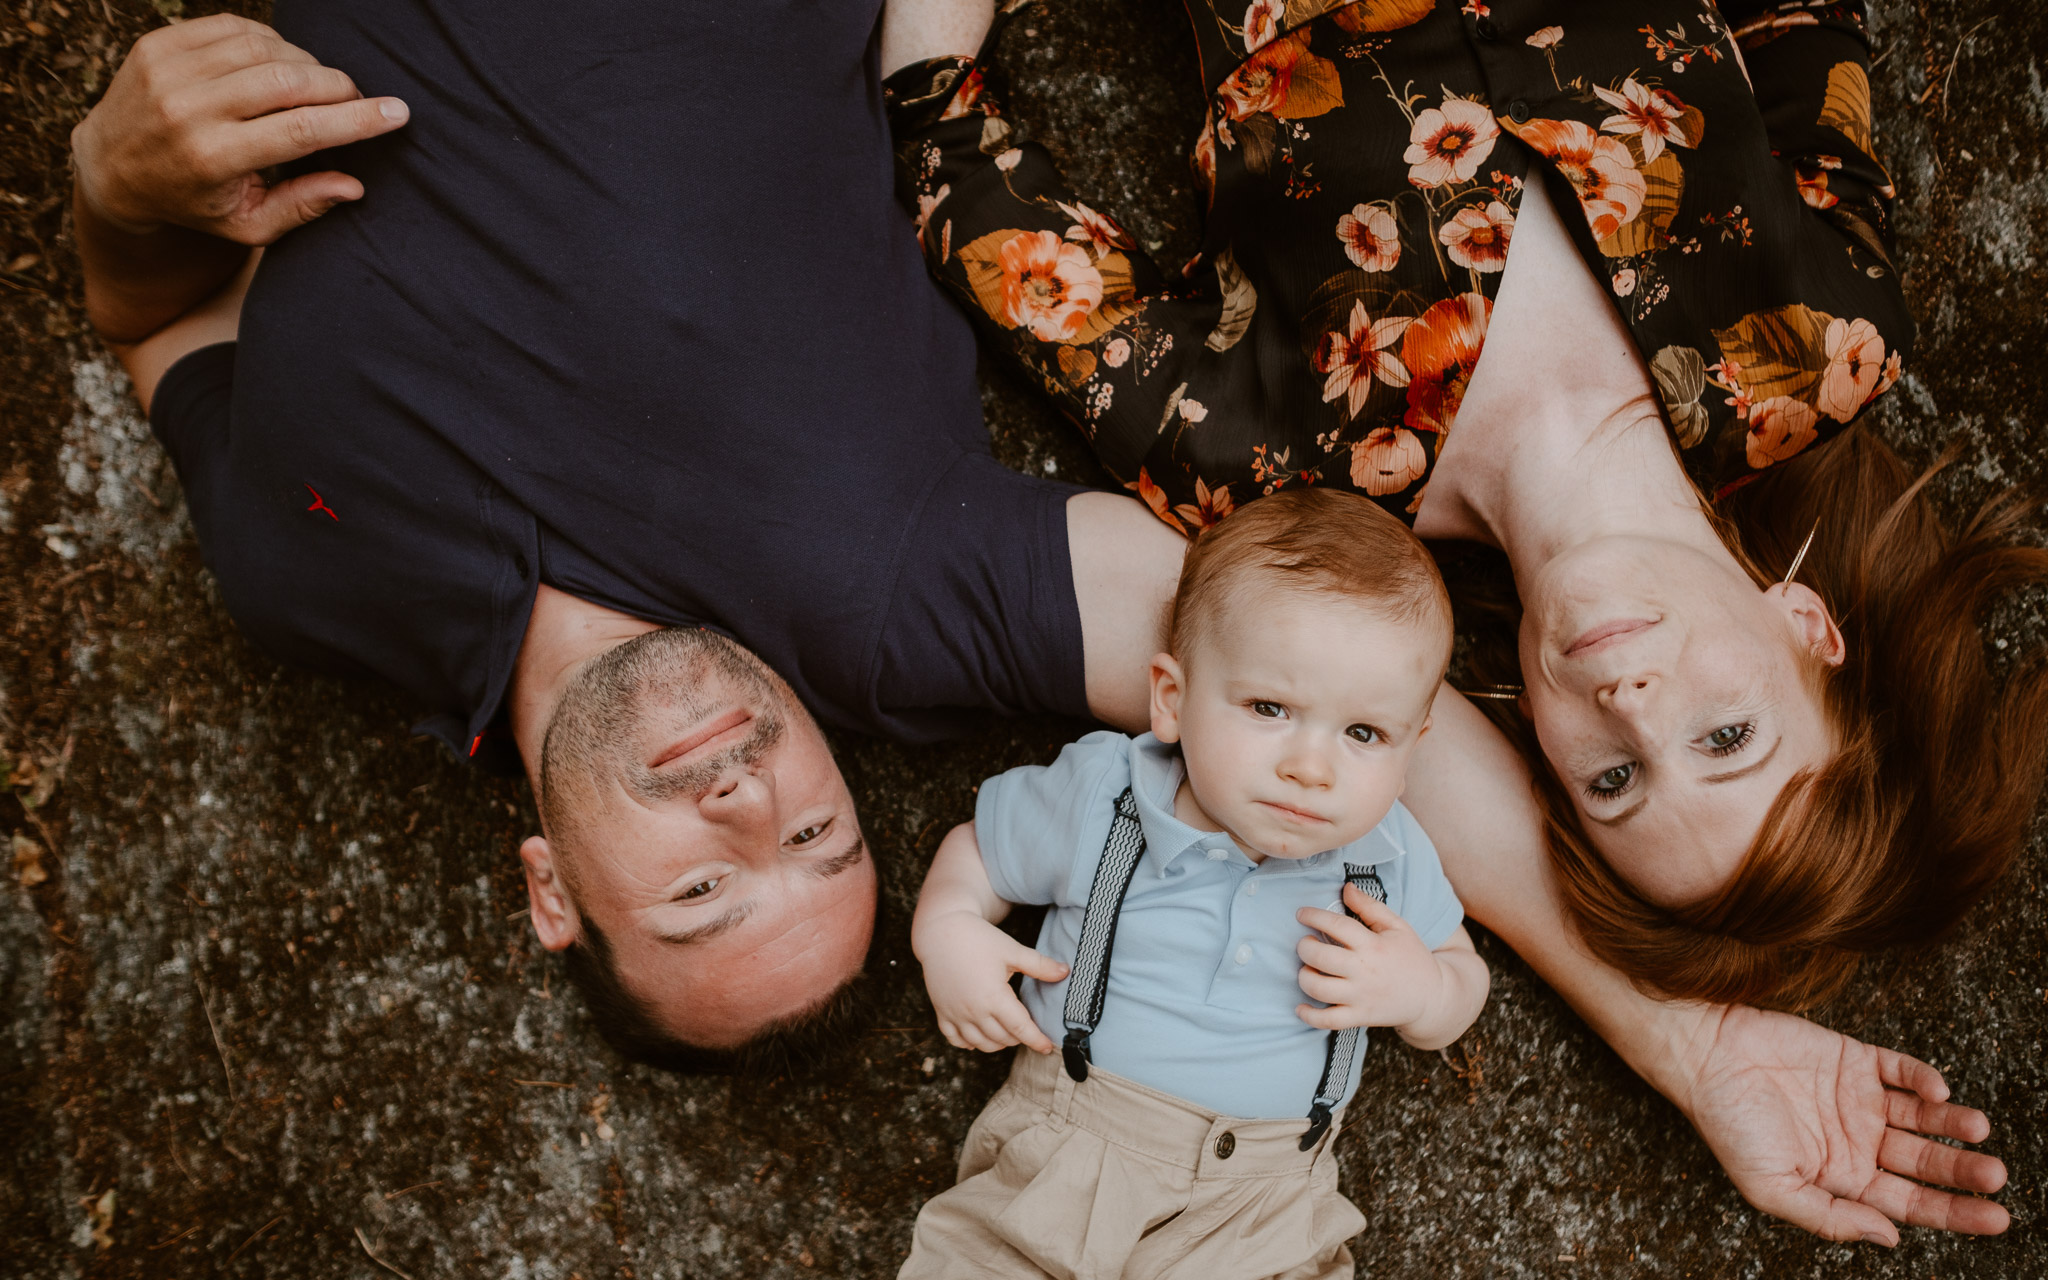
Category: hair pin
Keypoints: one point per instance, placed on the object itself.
(1801, 557)
(1499, 692)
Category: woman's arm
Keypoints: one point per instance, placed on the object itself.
(1811, 1126)
(167, 202)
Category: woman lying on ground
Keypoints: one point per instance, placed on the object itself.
(1754, 769)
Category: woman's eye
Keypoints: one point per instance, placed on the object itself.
(808, 834)
(1364, 733)
(1730, 738)
(1613, 782)
(699, 889)
(1270, 710)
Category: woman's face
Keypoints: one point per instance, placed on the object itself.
(1674, 700)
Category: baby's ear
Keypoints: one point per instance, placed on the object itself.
(1169, 686)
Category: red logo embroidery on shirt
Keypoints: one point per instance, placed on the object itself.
(320, 504)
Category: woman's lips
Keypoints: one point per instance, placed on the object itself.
(1604, 633)
(705, 734)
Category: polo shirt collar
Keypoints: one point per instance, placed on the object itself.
(1156, 773)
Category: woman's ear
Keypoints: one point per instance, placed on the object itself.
(549, 910)
(1169, 686)
(1811, 620)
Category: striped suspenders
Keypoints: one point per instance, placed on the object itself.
(1088, 984)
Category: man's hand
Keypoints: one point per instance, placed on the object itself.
(967, 967)
(1375, 972)
(193, 115)
(1824, 1132)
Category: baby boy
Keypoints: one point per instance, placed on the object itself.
(1177, 1115)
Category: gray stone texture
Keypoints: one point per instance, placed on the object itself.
(274, 996)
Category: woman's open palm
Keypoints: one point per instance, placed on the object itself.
(1837, 1136)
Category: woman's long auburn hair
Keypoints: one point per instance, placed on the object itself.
(1928, 800)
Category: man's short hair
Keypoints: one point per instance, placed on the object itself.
(1310, 539)
(796, 1044)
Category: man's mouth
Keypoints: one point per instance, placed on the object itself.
(721, 730)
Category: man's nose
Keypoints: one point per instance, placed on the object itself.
(741, 798)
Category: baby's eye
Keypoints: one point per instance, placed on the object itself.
(1364, 733)
(698, 890)
(1270, 710)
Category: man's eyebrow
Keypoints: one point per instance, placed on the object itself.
(839, 862)
(1747, 769)
(726, 923)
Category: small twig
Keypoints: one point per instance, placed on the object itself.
(165, 1244)
(222, 1049)
(417, 1186)
(543, 1084)
(1955, 57)
(523, 911)
(374, 1258)
(252, 1239)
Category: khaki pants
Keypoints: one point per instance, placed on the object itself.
(1111, 1179)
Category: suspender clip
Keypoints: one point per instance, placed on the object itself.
(1075, 1053)
(1318, 1124)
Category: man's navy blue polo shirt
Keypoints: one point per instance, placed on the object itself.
(629, 307)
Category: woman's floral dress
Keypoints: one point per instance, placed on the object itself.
(1364, 162)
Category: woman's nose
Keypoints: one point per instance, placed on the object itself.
(1630, 695)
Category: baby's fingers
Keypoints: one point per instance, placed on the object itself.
(1317, 954)
(1023, 1028)
(1322, 986)
(1330, 1018)
(1339, 929)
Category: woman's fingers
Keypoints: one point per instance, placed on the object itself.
(1919, 1206)
(1904, 1110)
(1903, 1072)
(1925, 1160)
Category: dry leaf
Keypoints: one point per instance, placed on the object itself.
(28, 862)
(102, 1217)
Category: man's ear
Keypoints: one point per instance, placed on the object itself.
(547, 899)
(1169, 685)
(1810, 618)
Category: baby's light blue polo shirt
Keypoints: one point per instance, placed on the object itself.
(1204, 978)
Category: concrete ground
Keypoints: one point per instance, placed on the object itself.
(270, 1009)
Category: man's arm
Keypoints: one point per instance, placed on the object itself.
(168, 202)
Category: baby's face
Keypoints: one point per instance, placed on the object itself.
(1296, 713)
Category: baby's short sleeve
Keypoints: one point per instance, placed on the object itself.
(1416, 885)
(1032, 822)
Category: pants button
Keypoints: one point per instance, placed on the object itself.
(1225, 1145)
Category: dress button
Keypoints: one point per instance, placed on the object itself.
(1244, 953)
(1225, 1144)
(1518, 111)
(1486, 29)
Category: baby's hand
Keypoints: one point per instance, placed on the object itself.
(967, 968)
(1371, 974)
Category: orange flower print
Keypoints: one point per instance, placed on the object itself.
(1544, 37)
(1855, 361)
(1155, 498)
(1478, 238)
(1116, 353)
(967, 96)
(1353, 358)
(1812, 176)
(1440, 349)
(1370, 238)
(1262, 23)
(1205, 156)
(1778, 428)
(1388, 460)
(1600, 169)
(1209, 506)
(1268, 79)
(1098, 231)
(1049, 286)
(1653, 115)
(1448, 143)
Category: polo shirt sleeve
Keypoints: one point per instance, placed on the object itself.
(1032, 822)
(1416, 885)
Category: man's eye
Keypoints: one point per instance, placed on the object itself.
(809, 834)
(1613, 782)
(1364, 733)
(699, 889)
(1270, 710)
